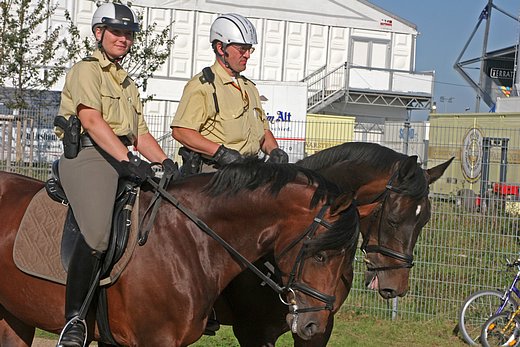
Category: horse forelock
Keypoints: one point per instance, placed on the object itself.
(343, 234)
(414, 184)
(253, 173)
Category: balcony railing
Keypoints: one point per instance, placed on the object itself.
(325, 86)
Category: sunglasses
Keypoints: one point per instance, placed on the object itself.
(243, 49)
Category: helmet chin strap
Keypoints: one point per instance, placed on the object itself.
(223, 59)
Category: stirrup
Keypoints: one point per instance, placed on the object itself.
(72, 321)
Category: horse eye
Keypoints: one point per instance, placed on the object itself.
(320, 257)
(393, 224)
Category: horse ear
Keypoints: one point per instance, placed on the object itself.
(407, 167)
(341, 203)
(436, 172)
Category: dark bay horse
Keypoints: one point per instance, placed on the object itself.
(167, 291)
(393, 190)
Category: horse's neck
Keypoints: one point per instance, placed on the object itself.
(352, 176)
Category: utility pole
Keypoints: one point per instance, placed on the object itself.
(516, 82)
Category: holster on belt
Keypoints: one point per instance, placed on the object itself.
(191, 162)
(71, 135)
(73, 140)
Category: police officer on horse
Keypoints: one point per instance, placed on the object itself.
(220, 116)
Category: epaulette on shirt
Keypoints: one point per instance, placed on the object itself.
(248, 80)
(207, 76)
(90, 58)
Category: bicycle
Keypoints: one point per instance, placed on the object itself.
(481, 305)
(502, 330)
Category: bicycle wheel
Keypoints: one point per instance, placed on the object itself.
(499, 330)
(476, 309)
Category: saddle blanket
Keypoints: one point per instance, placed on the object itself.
(38, 241)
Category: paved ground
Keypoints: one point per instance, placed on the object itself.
(39, 342)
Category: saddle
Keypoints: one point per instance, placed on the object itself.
(125, 199)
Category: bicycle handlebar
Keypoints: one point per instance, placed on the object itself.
(513, 264)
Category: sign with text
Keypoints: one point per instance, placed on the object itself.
(285, 104)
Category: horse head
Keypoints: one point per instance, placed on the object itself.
(313, 235)
(314, 260)
(397, 217)
(366, 169)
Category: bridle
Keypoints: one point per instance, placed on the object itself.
(405, 259)
(295, 273)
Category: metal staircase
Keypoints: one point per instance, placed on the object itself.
(326, 87)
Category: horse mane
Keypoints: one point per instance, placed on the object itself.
(372, 155)
(253, 173)
(380, 158)
(344, 233)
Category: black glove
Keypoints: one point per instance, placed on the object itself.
(225, 156)
(136, 169)
(278, 156)
(170, 168)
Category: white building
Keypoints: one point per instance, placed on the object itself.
(370, 52)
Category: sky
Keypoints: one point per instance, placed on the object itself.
(444, 27)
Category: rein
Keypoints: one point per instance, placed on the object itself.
(154, 206)
(291, 286)
(405, 259)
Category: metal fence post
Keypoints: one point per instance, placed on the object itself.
(394, 308)
(9, 144)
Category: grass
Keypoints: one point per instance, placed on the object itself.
(358, 331)
(363, 331)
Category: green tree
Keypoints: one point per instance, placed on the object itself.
(28, 50)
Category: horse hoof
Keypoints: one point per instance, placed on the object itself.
(212, 326)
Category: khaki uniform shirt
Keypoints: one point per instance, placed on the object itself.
(241, 122)
(106, 87)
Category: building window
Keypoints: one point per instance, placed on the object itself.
(374, 54)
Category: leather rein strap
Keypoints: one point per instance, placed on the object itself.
(204, 227)
(154, 205)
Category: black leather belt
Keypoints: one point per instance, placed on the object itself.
(86, 141)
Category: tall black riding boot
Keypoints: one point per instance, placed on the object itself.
(83, 267)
